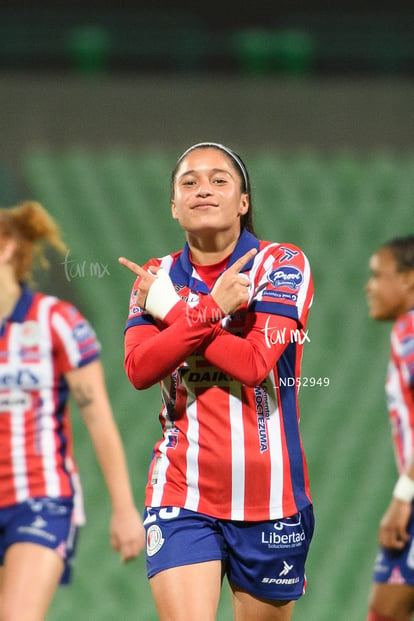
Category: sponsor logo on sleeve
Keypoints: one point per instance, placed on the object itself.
(83, 331)
(286, 276)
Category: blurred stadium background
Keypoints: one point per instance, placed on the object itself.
(95, 106)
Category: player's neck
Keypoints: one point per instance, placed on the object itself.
(207, 251)
(10, 293)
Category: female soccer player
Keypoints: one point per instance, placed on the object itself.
(47, 351)
(390, 293)
(220, 324)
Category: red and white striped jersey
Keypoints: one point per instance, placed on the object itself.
(42, 339)
(400, 389)
(230, 448)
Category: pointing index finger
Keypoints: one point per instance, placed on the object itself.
(240, 263)
(133, 267)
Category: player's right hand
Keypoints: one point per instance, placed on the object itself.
(146, 278)
(232, 288)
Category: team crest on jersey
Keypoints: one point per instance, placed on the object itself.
(189, 296)
(30, 334)
(286, 276)
(155, 540)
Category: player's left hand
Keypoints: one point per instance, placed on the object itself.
(393, 526)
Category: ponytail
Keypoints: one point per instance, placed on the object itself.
(31, 226)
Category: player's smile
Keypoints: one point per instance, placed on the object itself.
(204, 206)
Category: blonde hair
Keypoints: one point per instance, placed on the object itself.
(33, 228)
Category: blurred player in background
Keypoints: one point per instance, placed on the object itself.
(390, 293)
(228, 490)
(47, 352)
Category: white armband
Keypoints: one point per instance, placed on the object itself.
(161, 296)
(404, 489)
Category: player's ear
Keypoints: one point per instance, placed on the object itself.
(7, 250)
(174, 210)
(409, 280)
(244, 204)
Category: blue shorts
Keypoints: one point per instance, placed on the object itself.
(43, 521)
(396, 566)
(266, 559)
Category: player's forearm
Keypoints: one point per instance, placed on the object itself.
(152, 354)
(88, 388)
(243, 360)
(248, 360)
(112, 462)
(148, 362)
